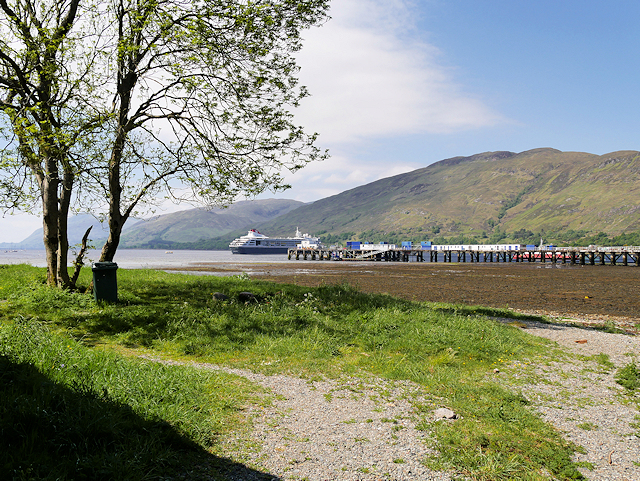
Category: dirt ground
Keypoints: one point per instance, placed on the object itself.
(599, 293)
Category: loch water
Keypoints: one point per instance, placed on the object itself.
(146, 258)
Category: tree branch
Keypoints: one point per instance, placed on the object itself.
(79, 261)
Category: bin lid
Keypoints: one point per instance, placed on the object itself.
(97, 266)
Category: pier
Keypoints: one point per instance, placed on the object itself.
(614, 256)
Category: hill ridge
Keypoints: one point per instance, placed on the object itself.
(487, 197)
(541, 189)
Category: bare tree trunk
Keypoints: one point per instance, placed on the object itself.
(63, 279)
(79, 261)
(111, 245)
(126, 82)
(116, 220)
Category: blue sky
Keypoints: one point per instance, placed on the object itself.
(458, 77)
(399, 84)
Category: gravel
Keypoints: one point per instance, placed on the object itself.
(579, 396)
(365, 429)
(350, 429)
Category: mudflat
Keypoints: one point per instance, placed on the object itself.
(597, 292)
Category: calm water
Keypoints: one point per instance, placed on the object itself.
(174, 260)
(146, 258)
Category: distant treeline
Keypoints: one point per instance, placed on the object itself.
(214, 244)
(522, 236)
(498, 236)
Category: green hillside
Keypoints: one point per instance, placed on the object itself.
(192, 226)
(488, 196)
(78, 225)
(564, 197)
(172, 230)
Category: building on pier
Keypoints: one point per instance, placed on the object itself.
(592, 255)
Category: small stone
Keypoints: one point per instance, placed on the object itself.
(219, 296)
(496, 370)
(444, 413)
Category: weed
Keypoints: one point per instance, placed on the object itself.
(603, 360)
(628, 376)
(586, 465)
(609, 327)
(587, 426)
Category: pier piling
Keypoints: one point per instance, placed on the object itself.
(624, 255)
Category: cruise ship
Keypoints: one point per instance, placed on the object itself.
(256, 243)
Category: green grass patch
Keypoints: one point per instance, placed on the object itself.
(71, 412)
(629, 376)
(603, 360)
(450, 351)
(587, 426)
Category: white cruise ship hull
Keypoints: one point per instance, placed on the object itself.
(259, 250)
(256, 243)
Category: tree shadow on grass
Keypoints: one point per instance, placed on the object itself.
(160, 306)
(49, 431)
(472, 310)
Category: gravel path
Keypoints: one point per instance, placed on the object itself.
(349, 429)
(580, 397)
(365, 429)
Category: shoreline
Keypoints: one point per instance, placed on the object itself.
(592, 295)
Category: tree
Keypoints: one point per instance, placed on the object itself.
(48, 116)
(187, 99)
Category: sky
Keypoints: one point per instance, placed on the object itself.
(397, 85)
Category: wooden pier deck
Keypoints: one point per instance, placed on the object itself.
(623, 255)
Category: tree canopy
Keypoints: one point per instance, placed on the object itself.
(109, 105)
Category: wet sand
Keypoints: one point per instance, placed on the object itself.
(594, 292)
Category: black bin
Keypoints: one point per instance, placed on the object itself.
(105, 283)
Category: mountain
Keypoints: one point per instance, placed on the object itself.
(77, 226)
(193, 225)
(541, 190)
(489, 197)
(165, 230)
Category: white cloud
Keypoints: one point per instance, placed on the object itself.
(17, 227)
(339, 173)
(371, 74)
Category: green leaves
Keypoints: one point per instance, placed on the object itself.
(136, 99)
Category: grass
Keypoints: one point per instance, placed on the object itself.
(68, 409)
(603, 361)
(629, 377)
(587, 426)
(450, 351)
